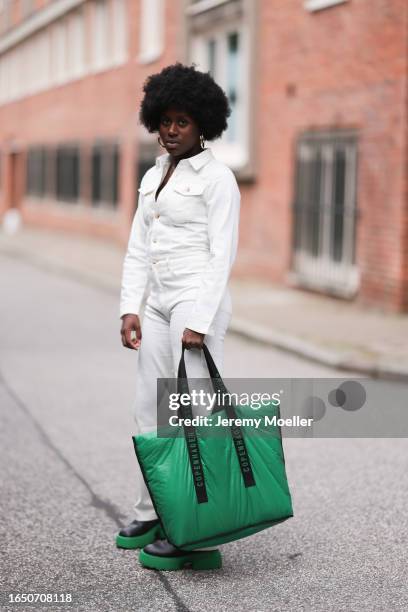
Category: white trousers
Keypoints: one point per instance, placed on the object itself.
(163, 323)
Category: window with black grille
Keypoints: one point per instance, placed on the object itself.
(325, 210)
(105, 174)
(36, 171)
(67, 173)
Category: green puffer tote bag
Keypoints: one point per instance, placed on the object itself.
(210, 489)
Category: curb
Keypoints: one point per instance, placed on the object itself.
(292, 344)
(238, 326)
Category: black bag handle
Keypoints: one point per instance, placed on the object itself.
(190, 434)
(218, 385)
(216, 380)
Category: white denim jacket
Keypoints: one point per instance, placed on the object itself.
(196, 213)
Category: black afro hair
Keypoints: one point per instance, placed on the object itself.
(187, 89)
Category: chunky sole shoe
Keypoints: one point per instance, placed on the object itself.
(199, 560)
(140, 541)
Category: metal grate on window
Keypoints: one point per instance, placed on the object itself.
(36, 171)
(67, 173)
(105, 174)
(325, 211)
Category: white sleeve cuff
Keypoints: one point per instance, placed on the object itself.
(200, 327)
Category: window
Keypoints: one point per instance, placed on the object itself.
(232, 82)
(119, 31)
(151, 30)
(31, 65)
(212, 50)
(224, 53)
(42, 54)
(75, 44)
(221, 40)
(58, 52)
(145, 156)
(100, 38)
(13, 82)
(105, 174)
(316, 5)
(4, 77)
(324, 212)
(36, 170)
(67, 183)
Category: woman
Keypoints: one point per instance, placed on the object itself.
(183, 240)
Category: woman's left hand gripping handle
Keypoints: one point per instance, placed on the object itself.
(130, 328)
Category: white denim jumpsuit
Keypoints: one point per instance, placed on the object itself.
(182, 246)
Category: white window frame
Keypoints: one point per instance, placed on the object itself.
(59, 52)
(43, 56)
(236, 153)
(317, 5)
(120, 31)
(100, 35)
(2, 80)
(31, 67)
(75, 44)
(151, 32)
(322, 271)
(13, 74)
(204, 5)
(50, 48)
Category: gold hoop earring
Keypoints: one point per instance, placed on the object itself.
(160, 143)
(202, 141)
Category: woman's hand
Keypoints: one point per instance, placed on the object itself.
(192, 339)
(131, 322)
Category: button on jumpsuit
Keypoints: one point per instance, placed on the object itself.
(180, 253)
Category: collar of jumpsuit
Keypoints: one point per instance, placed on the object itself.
(186, 238)
(196, 161)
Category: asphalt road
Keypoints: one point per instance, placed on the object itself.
(66, 387)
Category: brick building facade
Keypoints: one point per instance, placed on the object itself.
(317, 137)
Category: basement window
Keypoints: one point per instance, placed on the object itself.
(105, 174)
(325, 212)
(67, 173)
(36, 171)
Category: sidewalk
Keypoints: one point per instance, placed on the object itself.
(326, 330)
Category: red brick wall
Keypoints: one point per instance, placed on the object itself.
(346, 67)
(101, 105)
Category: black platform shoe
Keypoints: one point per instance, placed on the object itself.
(162, 555)
(139, 534)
